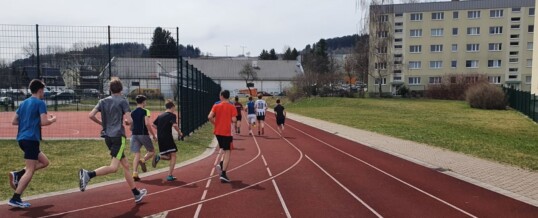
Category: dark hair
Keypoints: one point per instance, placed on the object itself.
(169, 104)
(116, 86)
(35, 85)
(140, 99)
(236, 98)
(278, 101)
(260, 95)
(225, 94)
(250, 98)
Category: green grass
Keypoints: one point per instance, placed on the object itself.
(67, 157)
(502, 136)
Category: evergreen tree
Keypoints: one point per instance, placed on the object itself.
(163, 45)
(272, 55)
(287, 55)
(294, 54)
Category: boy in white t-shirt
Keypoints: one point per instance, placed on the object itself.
(261, 109)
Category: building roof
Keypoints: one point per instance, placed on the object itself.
(218, 69)
(456, 5)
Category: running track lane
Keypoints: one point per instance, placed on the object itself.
(324, 177)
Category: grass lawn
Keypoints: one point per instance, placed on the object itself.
(68, 156)
(502, 136)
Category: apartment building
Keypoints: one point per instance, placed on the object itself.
(416, 45)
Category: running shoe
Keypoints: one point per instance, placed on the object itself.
(219, 168)
(156, 160)
(18, 203)
(135, 177)
(84, 178)
(139, 197)
(224, 179)
(143, 166)
(14, 177)
(170, 178)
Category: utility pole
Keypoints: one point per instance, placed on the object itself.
(243, 49)
(226, 49)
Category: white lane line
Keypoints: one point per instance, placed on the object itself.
(155, 193)
(345, 188)
(199, 208)
(388, 174)
(264, 162)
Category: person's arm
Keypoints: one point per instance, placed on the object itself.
(150, 129)
(94, 118)
(128, 118)
(211, 117)
(45, 120)
(176, 127)
(15, 120)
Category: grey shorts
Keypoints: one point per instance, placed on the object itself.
(138, 140)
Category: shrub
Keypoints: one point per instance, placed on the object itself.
(453, 86)
(486, 96)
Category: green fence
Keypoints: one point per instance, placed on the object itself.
(525, 102)
(77, 63)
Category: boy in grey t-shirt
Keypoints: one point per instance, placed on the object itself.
(114, 109)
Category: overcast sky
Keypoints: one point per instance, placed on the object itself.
(208, 24)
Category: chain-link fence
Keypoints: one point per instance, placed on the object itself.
(524, 102)
(77, 62)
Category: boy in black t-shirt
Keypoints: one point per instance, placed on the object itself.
(141, 130)
(280, 116)
(167, 146)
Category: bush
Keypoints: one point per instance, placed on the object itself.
(453, 86)
(486, 96)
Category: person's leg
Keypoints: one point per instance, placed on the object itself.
(172, 163)
(128, 178)
(226, 159)
(27, 177)
(112, 168)
(136, 159)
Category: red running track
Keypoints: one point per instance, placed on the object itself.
(308, 173)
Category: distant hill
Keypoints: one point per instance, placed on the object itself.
(341, 45)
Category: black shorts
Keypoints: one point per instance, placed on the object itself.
(280, 120)
(260, 117)
(30, 148)
(116, 146)
(225, 142)
(167, 145)
(239, 117)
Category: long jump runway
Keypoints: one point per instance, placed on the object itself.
(306, 173)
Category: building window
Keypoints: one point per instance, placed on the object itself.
(514, 43)
(473, 47)
(528, 79)
(513, 60)
(436, 64)
(416, 33)
(398, 30)
(415, 48)
(382, 50)
(512, 76)
(514, 26)
(514, 53)
(496, 30)
(530, 46)
(531, 28)
(383, 18)
(383, 81)
(435, 80)
(454, 31)
(455, 14)
(398, 24)
(531, 11)
(416, 17)
(398, 40)
(471, 63)
(516, 9)
(514, 36)
(454, 64)
(513, 70)
(496, 13)
(495, 46)
(494, 79)
(494, 63)
(473, 14)
(414, 80)
(438, 15)
(473, 30)
(437, 32)
(415, 64)
(454, 47)
(516, 19)
(436, 48)
(380, 66)
(397, 46)
(397, 62)
(382, 34)
(135, 83)
(399, 15)
(529, 62)
(398, 55)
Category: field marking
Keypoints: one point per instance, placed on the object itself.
(387, 174)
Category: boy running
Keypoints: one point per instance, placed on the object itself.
(31, 115)
(114, 109)
(140, 135)
(261, 109)
(280, 115)
(251, 115)
(239, 108)
(167, 146)
(222, 115)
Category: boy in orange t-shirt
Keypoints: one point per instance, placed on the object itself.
(222, 116)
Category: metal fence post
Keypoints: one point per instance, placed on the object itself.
(38, 60)
(109, 57)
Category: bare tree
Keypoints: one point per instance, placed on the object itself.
(249, 75)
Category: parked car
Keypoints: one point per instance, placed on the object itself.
(63, 96)
(265, 93)
(6, 101)
(90, 92)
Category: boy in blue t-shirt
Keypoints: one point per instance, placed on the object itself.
(30, 116)
(251, 115)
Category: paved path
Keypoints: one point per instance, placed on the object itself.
(508, 180)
